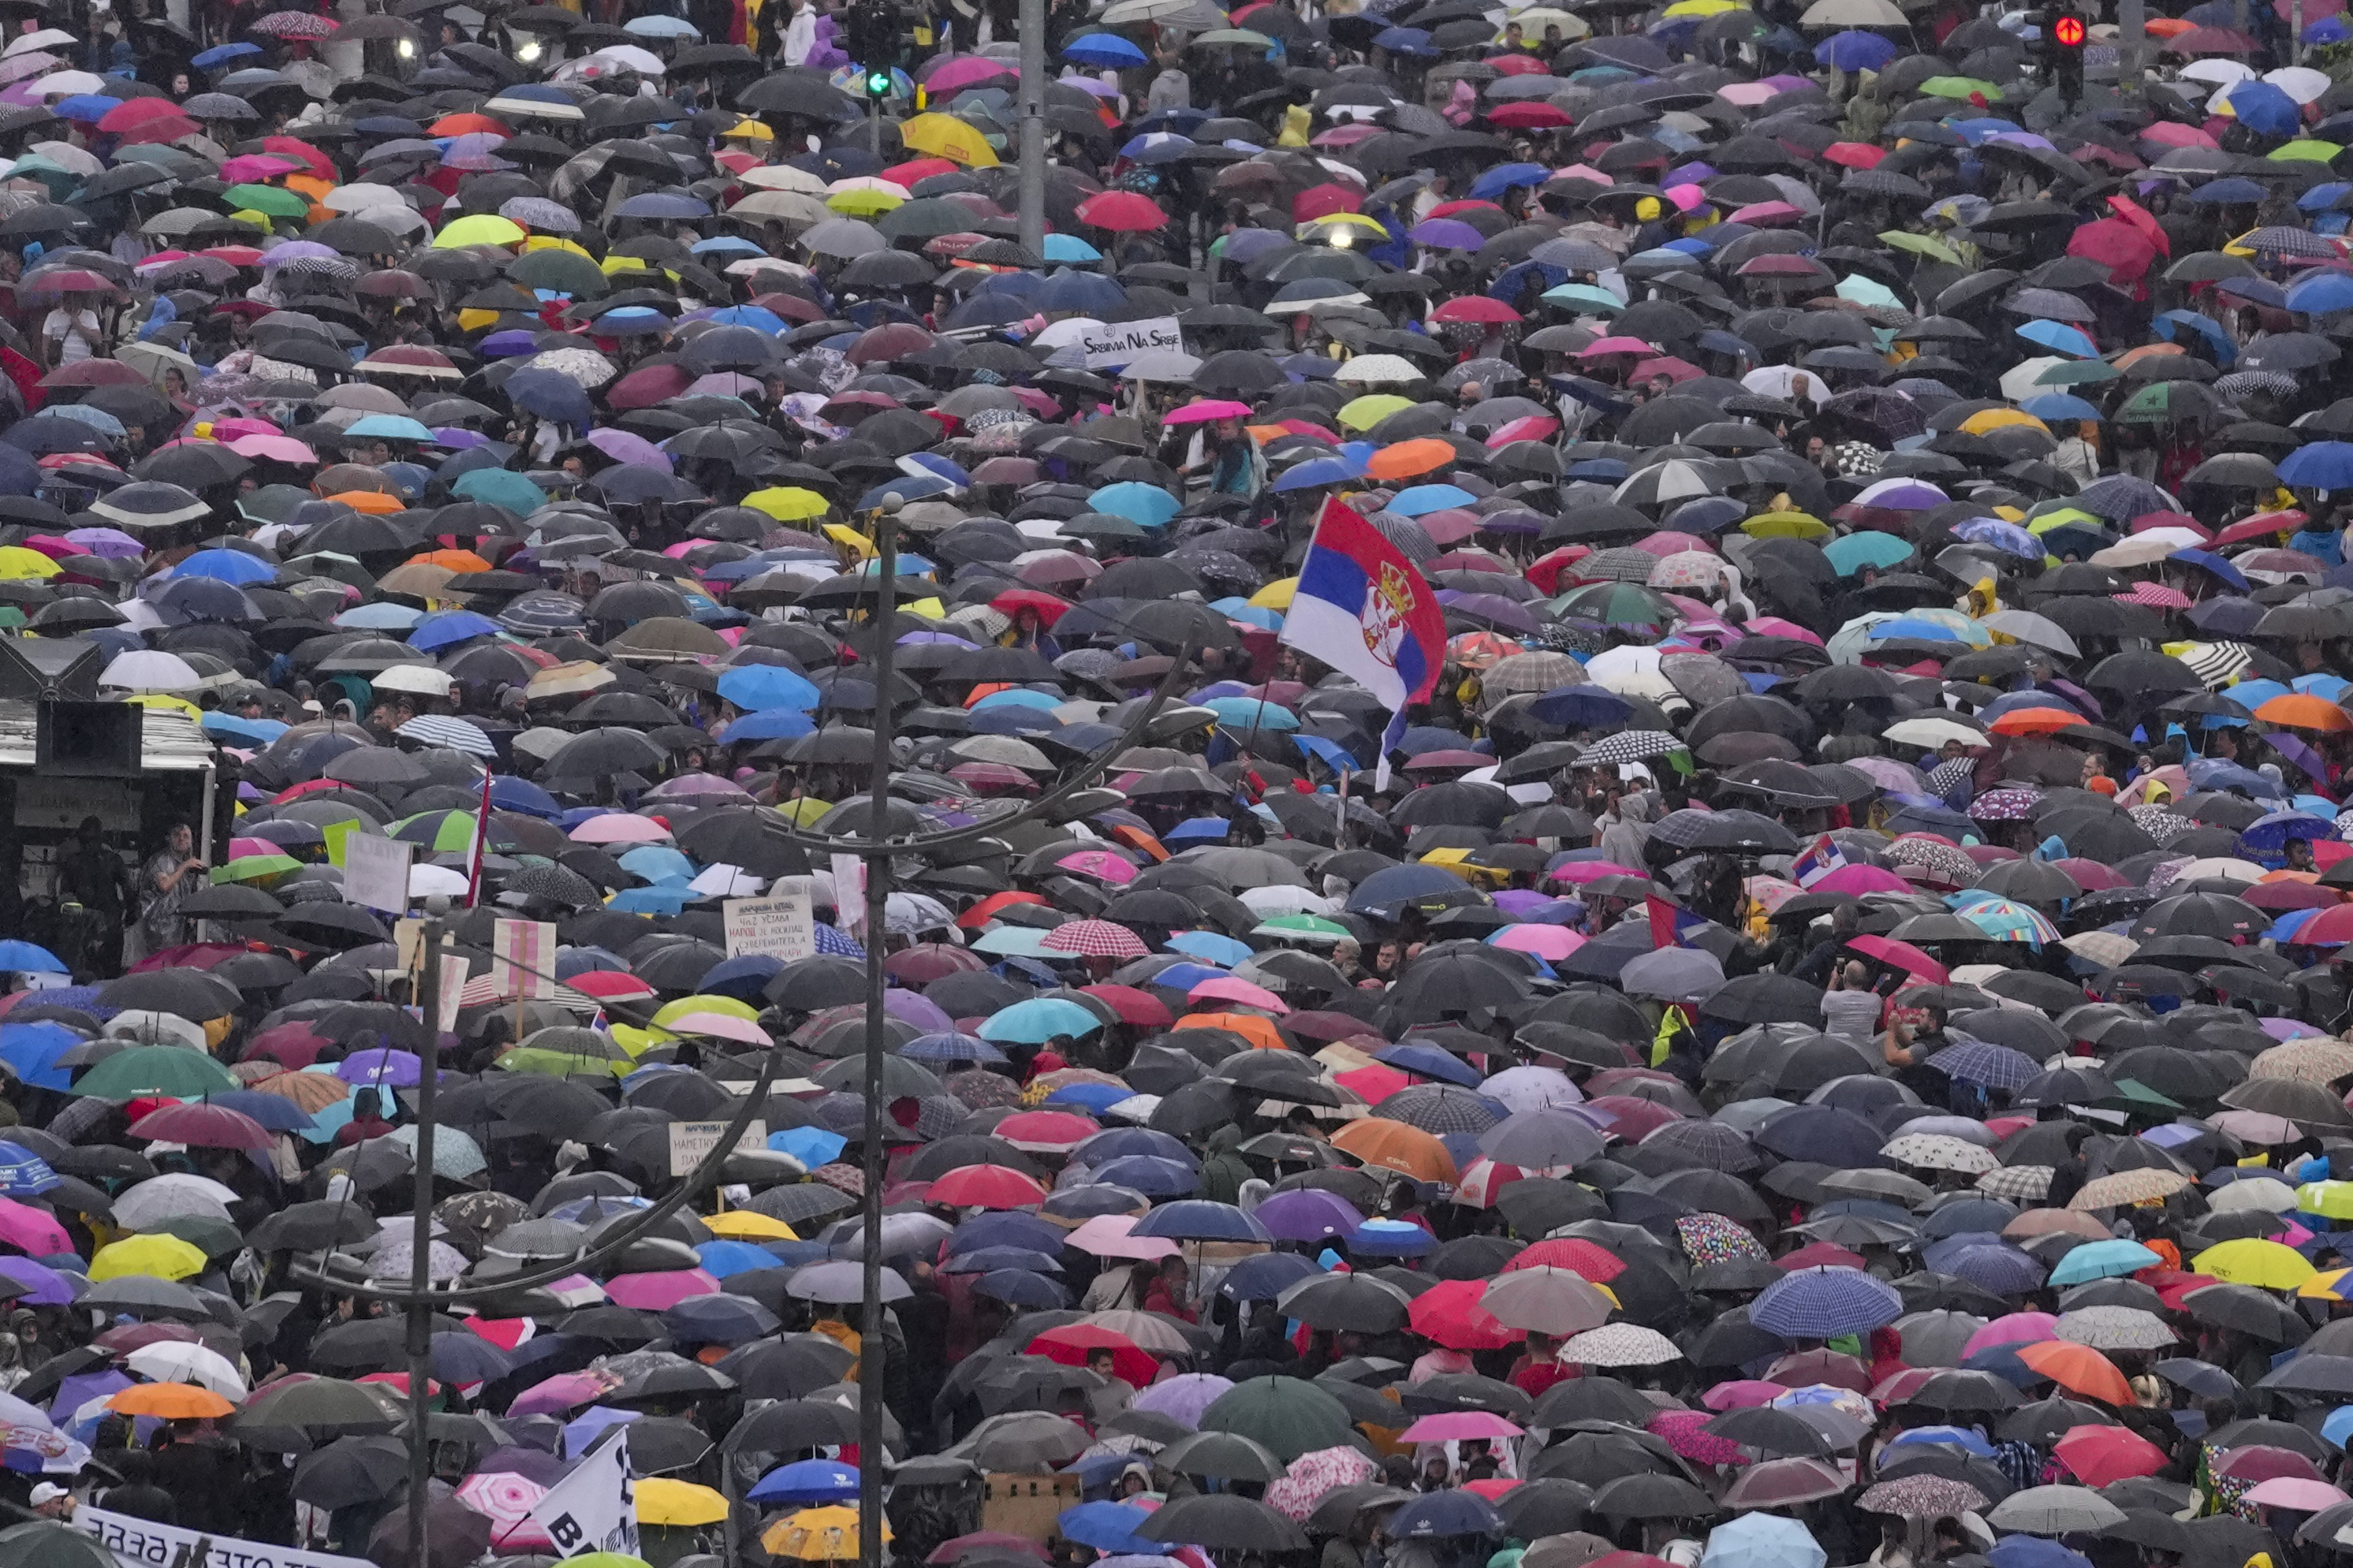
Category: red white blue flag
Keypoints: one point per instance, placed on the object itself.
(1362, 608)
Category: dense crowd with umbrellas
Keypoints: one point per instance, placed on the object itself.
(1815, 1036)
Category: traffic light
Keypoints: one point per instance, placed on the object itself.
(2066, 36)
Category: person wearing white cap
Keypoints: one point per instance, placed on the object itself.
(51, 1501)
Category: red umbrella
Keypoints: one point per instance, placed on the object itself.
(1902, 955)
(926, 961)
(1481, 307)
(1140, 1008)
(1322, 200)
(1449, 1314)
(1588, 1260)
(1073, 1343)
(1121, 212)
(2117, 245)
(1818, 1254)
(1528, 114)
(2099, 1455)
(1045, 1131)
(985, 1187)
(644, 388)
(201, 1126)
(1047, 608)
(292, 1045)
(1853, 154)
(2139, 216)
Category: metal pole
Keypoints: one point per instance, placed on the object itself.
(420, 1313)
(2296, 32)
(2132, 42)
(1033, 126)
(876, 860)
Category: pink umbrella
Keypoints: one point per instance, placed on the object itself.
(1452, 1424)
(1099, 864)
(2016, 1328)
(1551, 944)
(1775, 626)
(506, 1499)
(621, 827)
(1106, 1236)
(1580, 872)
(55, 549)
(963, 71)
(728, 383)
(623, 447)
(1205, 409)
(565, 1390)
(1233, 990)
(277, 448)
(1741, 1393)
(2295, 1494)
(32, 1231)
(1861, 879)
(721, 1026)
(254, 167)
(660, 1291)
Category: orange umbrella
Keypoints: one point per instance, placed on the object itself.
(455, 560)
(1404, 459)
(374, 501)
(2079, 1369)
(2302, 711)
(1397, 1147)
(1259, 1032)
(171, 1401)
(2035, 721)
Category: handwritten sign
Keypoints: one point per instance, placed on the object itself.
(690, 1142)
(850, 894)
(1120, 342)
(784, 926)
(522, 959)
(375, 872)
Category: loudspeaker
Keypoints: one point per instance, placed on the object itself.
(41, 668)
(90, 740)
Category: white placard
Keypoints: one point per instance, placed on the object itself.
(784, 926)
(1120, 342)
(375, 872)
(453, 987)
(850, 894)
(140, 1541)
(690, 1141)
(522, 959)
(594, 1509)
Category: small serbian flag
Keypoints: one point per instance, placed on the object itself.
(1362, 608)
(1818, 860)
(1671, 924)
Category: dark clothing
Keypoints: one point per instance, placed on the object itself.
(94, 877)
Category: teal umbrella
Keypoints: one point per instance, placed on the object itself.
(500, 487)
(1037, 1020)
(1850, 554)
(1135, 500)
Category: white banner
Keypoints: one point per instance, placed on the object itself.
(850, 894)
(136, 1541)
(1122, 343)
(375, 872)
(690, 1141)
(522, 959)
(594, 1509)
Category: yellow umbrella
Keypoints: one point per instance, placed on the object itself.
(1786, 525)
(1330, 221)
(2061, 518)
(1694, 8)
(161, 1256)
(865, 200)
(1921, 245)
(841, 533)
(788, 503)
(802, 812)
(748, 1225)
(1986, 420)
(478, 229)
(1369, 410)
(2304, 153)
(662, 1500)
(816, 1535)
(615, 265)
(554, 242)
(948, 137)
(174, 704)
(1275, 596)
(2250, 1261)
(2333, 1200)
(16, 562)
(2326, 1287)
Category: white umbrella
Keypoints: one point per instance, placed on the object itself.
(170, 1361)
(2301, 83)
(150, 669)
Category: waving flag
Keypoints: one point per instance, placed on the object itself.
(1818, 860)
(1363, 609)
(1671, 924)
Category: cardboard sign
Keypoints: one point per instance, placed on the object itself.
(782, 926)
(1120, 342)
(690, 1141)
(140, 1541)
(522, 959)
(375, 872)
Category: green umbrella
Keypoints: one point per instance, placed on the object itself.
(255, 868)
(500, 487)
(1617, 605)
(2078, 372)
(557, 1064)
(1288, 1415)
(1856, 551)
(1584, 297)
(145, 1070)
(1961, 87)
(1925, 245)
(559, 271)
(446, 831)
(270, 201)
(2304, 153)
(1304, 928)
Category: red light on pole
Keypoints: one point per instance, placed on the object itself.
(2068, 32)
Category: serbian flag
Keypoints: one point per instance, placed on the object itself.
(1818, 860)
(1362, 608)
(1671, 924)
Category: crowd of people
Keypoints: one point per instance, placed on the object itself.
(1815, 1036)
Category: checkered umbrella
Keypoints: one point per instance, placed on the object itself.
(2156, 596)
(1998, 1267)
(1095, 939)
(310, 25)
(2019, 1183)
(1985, 1064)
(1629, 746)
(1623, 565)
(1823, 1303)
(1706, 1144)
(1441, 1107)
(832, 943)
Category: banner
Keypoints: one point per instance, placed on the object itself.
(143, 1540)
(1122, 341)
(594, 1509)
(522, 960)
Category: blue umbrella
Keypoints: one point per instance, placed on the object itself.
(1855, 51)
(1106, 1526)
(764, 686)
(1103, 50)
(1449, 1512)
(1151, 1176)
(2103, 1260)
(1037, 1020)
(1966, 1438)
(227, 565)
(722, 1259)
(1404, 41)
(1316, 471)
(1203, 944)
(1507, 176)
(812, 1146)
(2058, 405)
(1389, 1239)
(511, 793)
(1762, 1541)
(806, 1482)
(2320, 294)
(2228, 191)
(2262, 107)
(1020, 1288)
(1987, 1065)
(1582, 707)
(939, 1049)
(2034, 1552)
(274, 1111)
(29, 957)
(2059, 338)
(2205, 326)
(1068, 247)
(1135, 500)
(1006, 1228)
(1265, 1276)
(222, 55)
(771, 724)
(1199, 1219)
(1420, 501)
(1990, 1264)
(24, 1173)
(2321, 466)
(446, 629)
(1823, 1303)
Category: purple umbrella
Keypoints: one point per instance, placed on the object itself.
(380, 1064)
(78, 1390)
(1309, 1214)
(1446, 234)
(624, 447)
(914, 1008)
(44, 1287)
(1184, 1397)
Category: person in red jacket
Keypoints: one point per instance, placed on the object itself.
(1166, 1291)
